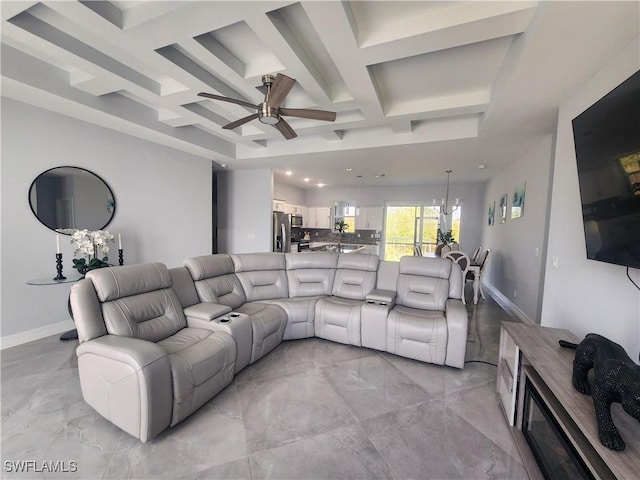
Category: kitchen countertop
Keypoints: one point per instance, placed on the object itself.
(333, 247)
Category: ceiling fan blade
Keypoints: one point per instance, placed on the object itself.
(242, 121)
(227, 99)
(308, 113)
(281, 87)
(285, 129)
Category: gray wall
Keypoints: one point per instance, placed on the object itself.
(289, 193)
(245, 211)
(163, 209)
(585, 295)
(517, 246)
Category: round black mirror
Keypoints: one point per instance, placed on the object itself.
(71, 197)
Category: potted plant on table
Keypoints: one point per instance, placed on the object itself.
(93, 248)
(443, 238)
(340, 226)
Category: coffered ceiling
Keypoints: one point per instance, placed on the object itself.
(418, 86)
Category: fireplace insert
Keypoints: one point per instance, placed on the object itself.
(554, 453)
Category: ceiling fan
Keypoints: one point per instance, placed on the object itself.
(269, 111)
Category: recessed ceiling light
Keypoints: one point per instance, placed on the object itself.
(359, 176)
(481, 166)
(380, 175)
(306, 179)
(289, 172)
(321, 185)
(223, 165)
(348, 169)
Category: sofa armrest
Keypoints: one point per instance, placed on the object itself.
(457, 322)
(206, 311)
(127, 381)
(381, 297)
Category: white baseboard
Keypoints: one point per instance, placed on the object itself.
(35, 334)
(507, 304)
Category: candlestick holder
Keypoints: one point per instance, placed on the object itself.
(59, 268)
(120, 257)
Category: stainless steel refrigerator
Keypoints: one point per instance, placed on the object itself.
(281, 241)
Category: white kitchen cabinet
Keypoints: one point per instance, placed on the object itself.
(369, 218)
(282, 206)
(279, 206)
(295, 209)
(317, 217)
(323, 217)
(309, 220)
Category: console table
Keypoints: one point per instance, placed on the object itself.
(71, 278)
(530, 353)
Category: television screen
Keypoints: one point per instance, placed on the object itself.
(607, 142)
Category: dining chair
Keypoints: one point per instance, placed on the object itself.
(417, 250)
(483, 260)
(464, 261)
(445, 249)
(476, 253)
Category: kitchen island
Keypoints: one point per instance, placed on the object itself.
(340, 248)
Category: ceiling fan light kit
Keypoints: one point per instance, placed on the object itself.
(268, 114)
(269, 111)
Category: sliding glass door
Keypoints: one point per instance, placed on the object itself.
(411, 229)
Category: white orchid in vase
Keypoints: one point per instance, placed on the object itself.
(90, 245)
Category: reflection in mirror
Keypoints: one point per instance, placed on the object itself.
(345, 211)
(71, 197)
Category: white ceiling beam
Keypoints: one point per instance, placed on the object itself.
(332, 24)
(295, 68)
(428, 131)
(401, 126)
(461, 24)
(333, 135)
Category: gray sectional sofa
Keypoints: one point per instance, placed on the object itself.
(155, 344)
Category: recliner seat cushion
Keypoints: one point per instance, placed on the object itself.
(418, 334)
(300, 316)
(338, 319)
(268, 322)
(202, 363)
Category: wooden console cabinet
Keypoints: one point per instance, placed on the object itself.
(533, 351)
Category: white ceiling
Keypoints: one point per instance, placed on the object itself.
(419, 86)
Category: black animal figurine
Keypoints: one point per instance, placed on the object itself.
(616, 379)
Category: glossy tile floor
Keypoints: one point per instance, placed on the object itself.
(311, 409)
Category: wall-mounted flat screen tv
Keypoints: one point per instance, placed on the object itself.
(607, 142)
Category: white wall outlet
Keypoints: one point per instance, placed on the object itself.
(537, 252)
(554, 262)
(515, 293)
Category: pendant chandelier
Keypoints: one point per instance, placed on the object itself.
(444, 205)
